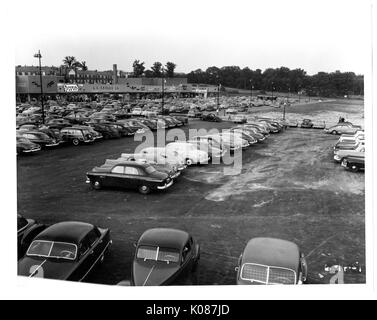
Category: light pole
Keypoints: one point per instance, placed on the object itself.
(272, 91)
(39, 56)
(251, 92)
(218, 95)
(162, 90)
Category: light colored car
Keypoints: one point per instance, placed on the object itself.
(136, 111)
(244, 135)
(212, 143)
(213, 152)
(235, 138)
(342, 129)
(359, 135)
(189, 152)
(161, 156)
(229, 144)
(339, 154)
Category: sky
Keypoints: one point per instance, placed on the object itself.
(313, 35)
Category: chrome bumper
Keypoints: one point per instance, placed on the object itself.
(165, 186)
(32, 150)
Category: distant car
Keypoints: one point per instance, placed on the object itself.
(39, 138)
(164, 257)
(339, 154)
(96, 135)
(76, 135)
(26, 146)
(342, 129)
(252, 132)
(194, 114)
(129, 175)
(349, 145)
(105, 130)
(243, 135)
(211, 117)
(271, 261)
(59, 123)
(233, 140)
(27, 229)
(239, 119)
(307, 123)
(353, 163)
(188, 152)
(181, 118)
(65, 251)
(213, 152)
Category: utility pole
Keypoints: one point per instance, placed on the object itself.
(39, 56)
(251, 92)
(162, 90)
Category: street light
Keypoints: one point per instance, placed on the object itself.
(162, 90)
(251, 91)
(218, 94)
(39, 56)
(272, 91)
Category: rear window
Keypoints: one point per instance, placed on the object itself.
(267, 275)
(158, 254)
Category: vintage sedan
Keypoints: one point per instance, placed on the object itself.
(164, 257)
(188, 152)
(243, 135)
(27, 229)
(161, 156)
(234, 139)
(211, 117)
(25, 146)
(307, 123)
(339, 154)
(65, 251)
(129, 175)
(353, 163)
(75, 135)
(203, 145)
(39, 138)
(342, 128)
(250, 131)
(271, 261)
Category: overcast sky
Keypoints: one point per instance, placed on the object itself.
(313, 35)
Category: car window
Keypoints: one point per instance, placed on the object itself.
(118, 169)
(131, 171)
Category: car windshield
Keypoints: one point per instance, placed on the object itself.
(51, 249)
(158, 254)
(267, 275)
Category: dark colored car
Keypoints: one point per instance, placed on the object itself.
(107, 131)
(174, 120)
(353, 163)
(123, 130)
(271, 261)
(164, 257)
(58, 123)
(39, 138)
(307, 123)
(27, 229)
(26, 146)
(65, 251)
(149, 123)
(76, 135)
(96, 135)
(129, 175)
(211, 117)
(182, 119)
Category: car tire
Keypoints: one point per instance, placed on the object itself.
(334, 132)
(75, 142)
(96, 185)
(189, 162)
(144, 189)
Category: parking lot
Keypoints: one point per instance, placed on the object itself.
(289, 188)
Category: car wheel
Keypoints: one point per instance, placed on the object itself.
(144, 189)
(96, 185)
(354, 168)
(334, 132)
(189, 162)
(75, 142)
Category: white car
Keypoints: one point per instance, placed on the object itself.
(137, 111)
(213, 152)
(161, 156)
(212, 143)
(359, 135)
(188, 152)
(359, 151)
(235, 138)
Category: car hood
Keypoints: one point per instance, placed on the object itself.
(159, 175)
(46, 268)
(152, 273)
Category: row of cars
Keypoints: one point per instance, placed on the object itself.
(71, 250)
(157, 168)
(350, 151)
(32, 137)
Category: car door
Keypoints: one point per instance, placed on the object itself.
(115, 178)
(183, 276)
(131, 178)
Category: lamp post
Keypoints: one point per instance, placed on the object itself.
(39, 56)
(251, 92)
(218, 95)
(162, 90)
(272, 91)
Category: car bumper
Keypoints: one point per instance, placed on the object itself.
(344, 164)
(337, 158)
(165, 186)
(52, 144)
(182, 167)
(176, 175)
(89, 141)
(31, 150)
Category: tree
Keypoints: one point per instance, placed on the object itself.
(83, 66)
(170, 67)
(157, 69)
(138, 68)
(69, 62)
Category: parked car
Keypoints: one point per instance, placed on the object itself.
(161, 156)
(233, 140)
(39, 138)
(271, 261)
(243, 135)
(164, 257)
(58, 123)
(203, 145)
(213, 141)
(239, 119)
(27, 229)
(339, 154)
(188, 152)
(26, 146)
(76, 135)
(353, 163)
(358, 135)
(349, 145)
(259, 127)
(250, 131)
(65, 251)
(211, 117)
(96, 135)
(342, 129)
(194, 114)
(105, 130)
(171, 170)
(307, 123)
(129, 175)
(181, 118)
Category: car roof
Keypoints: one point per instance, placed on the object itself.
(70, 231)
(272, 252)
(163, 237)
